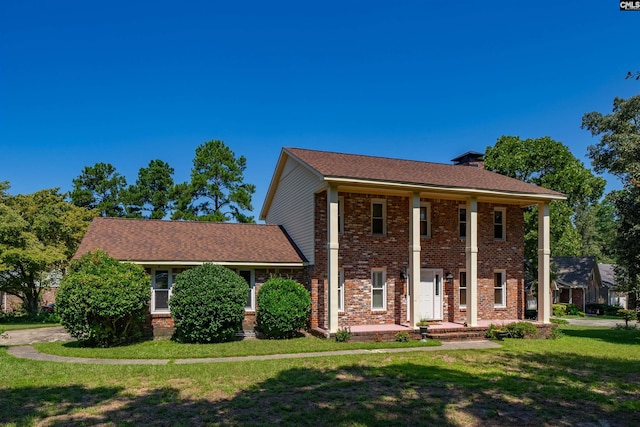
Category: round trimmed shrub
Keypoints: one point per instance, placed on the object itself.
(283, 307)
(103, 302)
(207, 304)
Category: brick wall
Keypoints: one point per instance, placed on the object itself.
(360, 251)
(13, 303)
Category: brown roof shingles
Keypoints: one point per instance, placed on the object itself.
(189, 241)
(383, 169)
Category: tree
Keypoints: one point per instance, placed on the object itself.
(618, 152)
(100, 187)
(152, 194)
(550, 164)
(39, 233)
(216, 191)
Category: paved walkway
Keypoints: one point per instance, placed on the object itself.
(18, 347)
(594, 321)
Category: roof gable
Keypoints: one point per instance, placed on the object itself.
(573, 271)
(144, 240)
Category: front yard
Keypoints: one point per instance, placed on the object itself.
(590, 377)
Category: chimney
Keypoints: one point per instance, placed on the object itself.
(470, 158)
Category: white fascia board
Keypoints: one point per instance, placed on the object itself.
(224, 263)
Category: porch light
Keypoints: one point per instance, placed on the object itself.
(449, 277)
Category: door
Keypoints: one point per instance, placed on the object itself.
(430, 297)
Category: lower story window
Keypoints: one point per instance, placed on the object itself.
(248, 276)
(463, 289)
(499, 289)
(378, 290)
(162, 282)
(341, 290)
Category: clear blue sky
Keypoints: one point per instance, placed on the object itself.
(125, 82)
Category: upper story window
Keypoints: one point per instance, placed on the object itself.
(378, 290)
(463, 289)
(340, 215)
(500, 224)
(425, 220)
(378, 216)
(462, 222)
(249, 277)
(499, 288)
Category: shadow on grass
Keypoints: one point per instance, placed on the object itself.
(511, 389)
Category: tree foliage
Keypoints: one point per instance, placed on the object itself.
(549, 164)
(618, 152)
(39, 233)
(207, 304)
(103, 302)
(151, 196)
(100, 187)
(217, 191)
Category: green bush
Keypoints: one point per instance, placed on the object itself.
(627, 315)
(207, 304)
(559, 310)
(283, 308)
(343, 334)
(402, 336)
(522, 330)
(555, 333)
(559, 321)
(103, 302)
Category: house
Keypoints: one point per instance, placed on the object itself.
(573, 276)
(601, 290)
(166, 248)
(376, 241)
(391, 241)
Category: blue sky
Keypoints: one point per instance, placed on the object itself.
(127, 82)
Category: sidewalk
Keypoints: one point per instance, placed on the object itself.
(29, 352)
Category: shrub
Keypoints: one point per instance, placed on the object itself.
(343, 334)
(627, 315)
(103, 302)
(555, 333)
(522, 330)
(559, 310)
(559, 321)
(283, 307)
(207, 304)
(402, 336)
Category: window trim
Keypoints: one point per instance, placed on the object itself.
(503, 287)
(382, 202)
(503, 224)
(383, 274)
(341, 290)
(252, 288)
(460, 288)
(427, 206)
(460, 222)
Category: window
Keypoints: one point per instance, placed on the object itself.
(378, 290)
(499, 289)
(248, 276)
(462, 222)
(425, 220)
(378, 213)
(340, 215)
(162, 282)
(341, 290)
(499, 223)
(463, 289)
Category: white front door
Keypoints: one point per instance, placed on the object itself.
(430, 296)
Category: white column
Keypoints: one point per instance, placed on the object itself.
(471, 252)
(332, 256)
(414, 257)
(544, 254)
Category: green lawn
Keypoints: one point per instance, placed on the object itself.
(166, 349)
(26, 325)
(590, 377)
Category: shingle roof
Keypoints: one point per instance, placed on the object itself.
(607, 274)
(382, 169)
(573, 272)
(189, 241)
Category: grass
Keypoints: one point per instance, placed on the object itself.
(165, 349)
(25, 325)
(589, 377)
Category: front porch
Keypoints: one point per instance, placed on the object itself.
(441, 331)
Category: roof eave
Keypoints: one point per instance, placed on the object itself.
(253, 264)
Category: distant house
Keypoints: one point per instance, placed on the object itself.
(376, 241)
(602, 289)
(574, 275)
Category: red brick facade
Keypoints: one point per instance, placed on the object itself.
(360, 251)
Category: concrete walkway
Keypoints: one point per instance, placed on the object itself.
(18, 347)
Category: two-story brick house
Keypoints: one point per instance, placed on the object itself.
(392, 241)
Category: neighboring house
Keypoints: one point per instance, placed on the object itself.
(10, 303)
(391, 241)
(602, 289)
(573, 276)
(166, 248)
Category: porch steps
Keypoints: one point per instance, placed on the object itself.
(457, 334)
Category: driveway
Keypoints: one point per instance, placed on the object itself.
(31, 336)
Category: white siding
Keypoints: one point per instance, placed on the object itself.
(293, 205)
